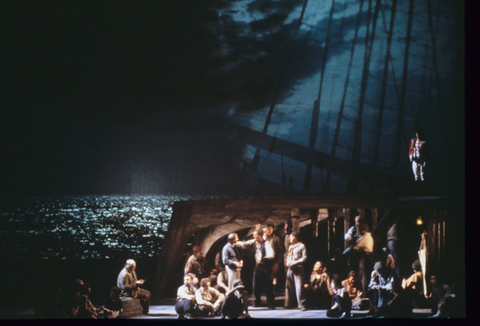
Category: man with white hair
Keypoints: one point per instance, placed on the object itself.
(127, 281)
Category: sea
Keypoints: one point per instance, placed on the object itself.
(49, 241)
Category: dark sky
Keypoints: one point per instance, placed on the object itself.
(92, 88)
(102, 97)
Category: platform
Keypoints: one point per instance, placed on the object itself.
(167, 312)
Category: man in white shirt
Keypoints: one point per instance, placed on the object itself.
(362, 250)
(185, 306)
(264, 259)
(279, 250)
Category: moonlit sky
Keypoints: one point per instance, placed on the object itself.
(154, 97)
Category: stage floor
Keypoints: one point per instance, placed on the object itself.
(168, 312)
(164, 309)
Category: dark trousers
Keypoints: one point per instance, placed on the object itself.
(262, 282)
(205, 310)
(234, 307)
(144, 296)
(379, 298)
(185, 306)
(360, 262)
(344, 305)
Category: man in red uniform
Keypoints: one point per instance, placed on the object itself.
(418, 155)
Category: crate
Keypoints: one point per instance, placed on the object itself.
(131, 307)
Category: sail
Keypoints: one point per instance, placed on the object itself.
(359, 77)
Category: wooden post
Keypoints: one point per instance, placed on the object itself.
(331, 230)
(361, 212)
(314, 218)
(296, 219)
(346, 224)
(374, 218)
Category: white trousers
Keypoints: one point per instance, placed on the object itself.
(418, 170)
(232, 275)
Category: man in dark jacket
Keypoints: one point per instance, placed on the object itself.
(235, 303)
(231, 257)
(264, 259)
(127, 281)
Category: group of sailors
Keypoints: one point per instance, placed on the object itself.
(353, 279)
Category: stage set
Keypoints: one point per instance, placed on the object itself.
(430, 230)
(306, 113)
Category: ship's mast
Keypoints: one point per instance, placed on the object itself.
(344, 96)
(256, 158)
(316, 105)
(381, 106)
(401, 133)
(352, 187)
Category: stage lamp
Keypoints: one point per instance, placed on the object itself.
(419, 220)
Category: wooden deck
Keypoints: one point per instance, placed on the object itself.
(168, 312)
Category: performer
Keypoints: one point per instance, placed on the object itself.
(264, 259)
(413, 286)
(278, 248)
(363, 250)
(286, 240)
(235, 303)
(113, 306)
(186, 306)
(438, 295)
(198, 265)
(222, 282)
(418, 153)
(380, 287)
(354, 290)
(208, 299)
(318, 291)
(231, 257)
(342, 304)
(393, 245)
(296, 257)
(127, 281)
(360, 249)
(352, 235)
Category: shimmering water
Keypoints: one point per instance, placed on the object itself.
(84, 226)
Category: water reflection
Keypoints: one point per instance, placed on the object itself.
(84, 226)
